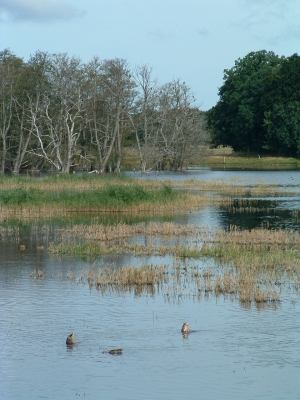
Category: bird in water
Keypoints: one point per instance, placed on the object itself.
(70, 340)
(185, 328)
(113, 351)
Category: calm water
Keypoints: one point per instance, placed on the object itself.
(233, 353)
(241, 177)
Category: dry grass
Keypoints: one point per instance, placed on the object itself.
(254, 264)
(100, 232)
(267, 239)
(192, 195)
(144, 279)
(226, 156)
(219, 156)
(186, 202)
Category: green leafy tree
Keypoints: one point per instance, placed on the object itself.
(281, 105)
(237, 119)
(11, 69)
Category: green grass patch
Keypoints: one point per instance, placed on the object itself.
(110, 196)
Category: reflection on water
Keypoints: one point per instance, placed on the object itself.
(250, 352)
(236, 350)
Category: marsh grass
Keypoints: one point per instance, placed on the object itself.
(143, 279)
(37, 274)
(134, 200)
(254, 264)
(108, 197)
(101, 232)
(57, 195)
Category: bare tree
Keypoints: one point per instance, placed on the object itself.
(54, 110)
(27, 105)
(58, 127)
(144, 119)
(119, 90)
(182, 126)
(111, 95)
(99, 114)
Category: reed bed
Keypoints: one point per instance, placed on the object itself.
(133, 200)
(189, 281)
(101, 232)
(259, 237)
(207, 242)
(57, 182)
(60, 195)
(254, 263)
(144, 279)
(183, 203)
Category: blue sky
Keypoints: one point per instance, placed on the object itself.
(190, 39)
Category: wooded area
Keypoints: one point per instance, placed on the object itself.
(259, 105)
(58, 113)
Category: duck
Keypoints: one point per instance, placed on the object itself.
(21, 247)
(185, 328)
(114, 351)
(70, 340)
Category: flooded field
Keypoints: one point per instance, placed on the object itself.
(236, 349)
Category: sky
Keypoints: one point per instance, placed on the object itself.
(194, 40)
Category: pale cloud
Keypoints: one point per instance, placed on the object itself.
(291, 32)
(270, 21)
(38, 10)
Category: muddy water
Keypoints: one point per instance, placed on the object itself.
(234, 352)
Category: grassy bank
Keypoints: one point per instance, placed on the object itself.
(223, 157)
(59, 195)
(25, 197)
(81, 193)
(112, 196)
(226, 157)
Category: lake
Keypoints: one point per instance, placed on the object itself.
(233, 351)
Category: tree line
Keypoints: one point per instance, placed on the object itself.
(259, 105)
(58, 113)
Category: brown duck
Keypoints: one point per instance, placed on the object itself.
(70, 340)
(185, 328)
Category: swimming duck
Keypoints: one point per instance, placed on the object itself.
(70, 340)
(113, 351)
(21, 247)
(185, 328)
